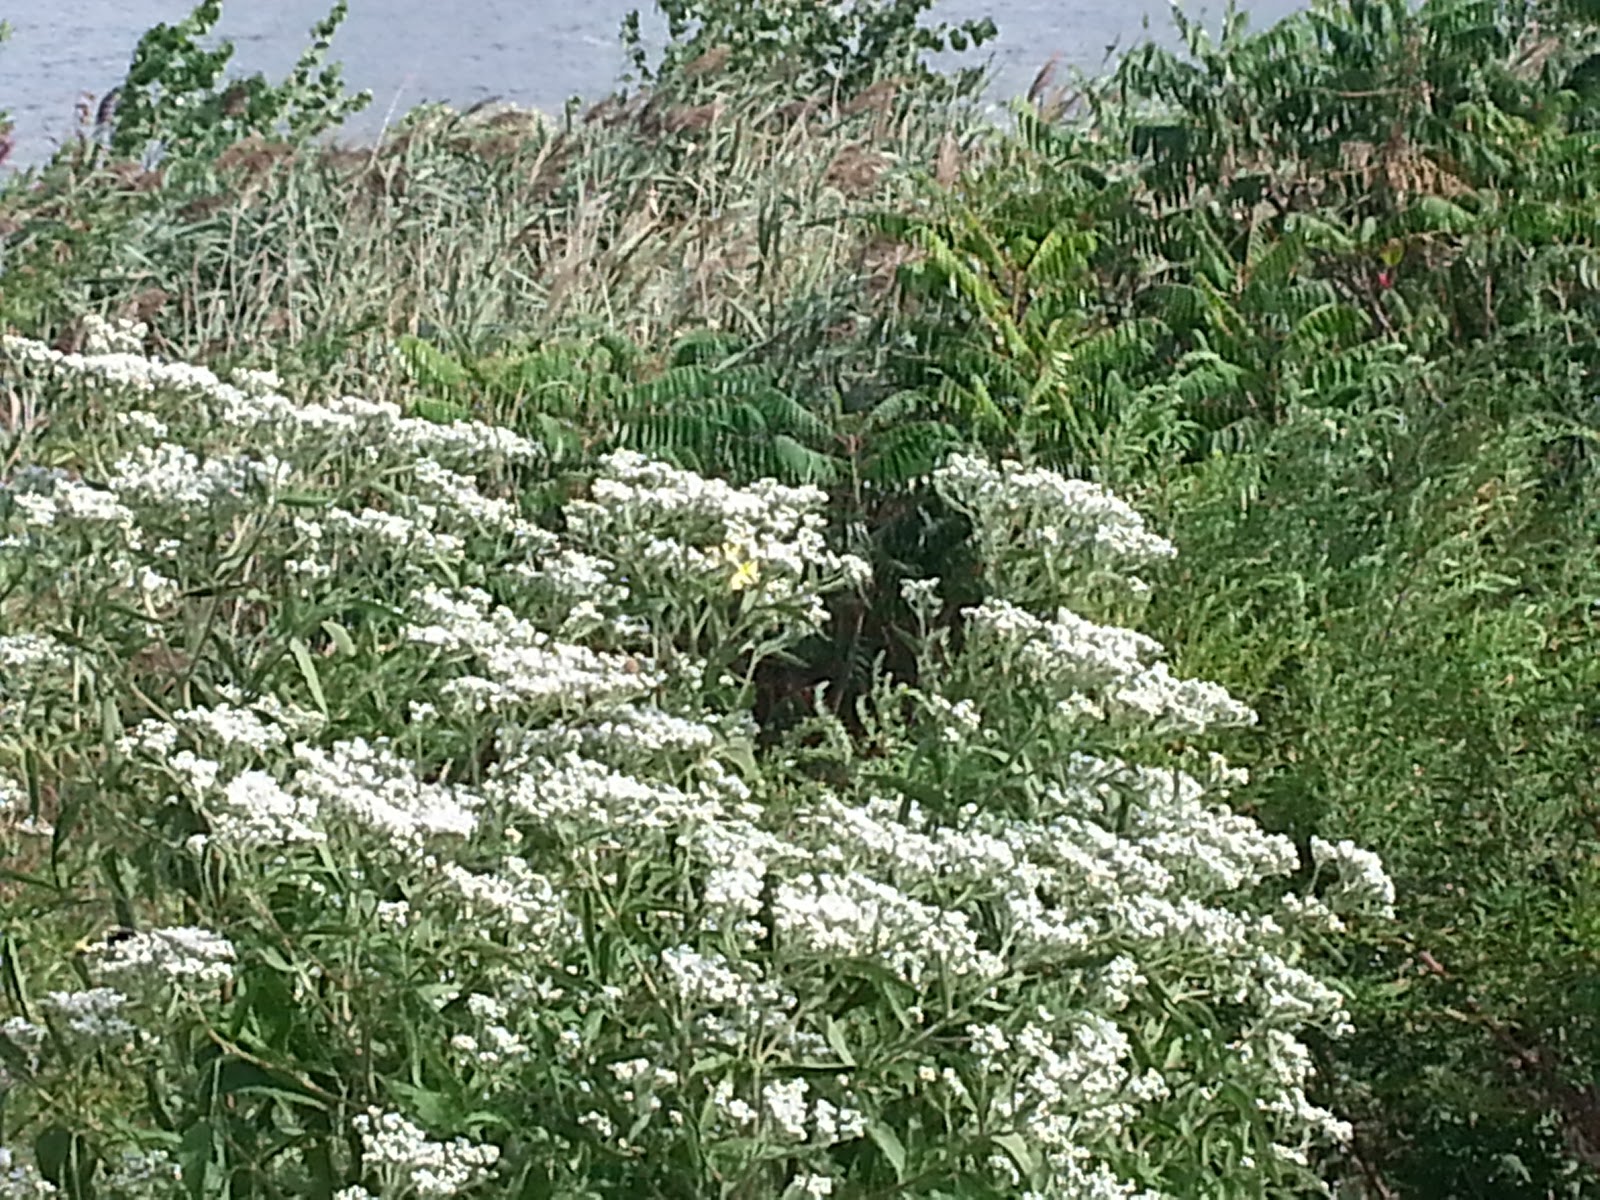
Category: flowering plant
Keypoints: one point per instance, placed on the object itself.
(440, 857)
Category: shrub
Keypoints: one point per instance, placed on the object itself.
(839, 48)
(702, 409)
(173, 104)
(1404, 603)
(437, 858)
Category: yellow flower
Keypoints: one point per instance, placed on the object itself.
(746, 572)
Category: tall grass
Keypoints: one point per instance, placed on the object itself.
(730, 212)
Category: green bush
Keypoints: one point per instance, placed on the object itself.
(703, 409)
(173, 106)
(376, 836)
(839, 48)
(1297, 292)
(1408, 604)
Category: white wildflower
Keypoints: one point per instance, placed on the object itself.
(785, 1102)
(182, 955)
(253, 809)
(21, 1180)
(1359, 880)
(408, 1158)
(94, 1015)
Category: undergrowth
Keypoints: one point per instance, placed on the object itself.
(828, 894)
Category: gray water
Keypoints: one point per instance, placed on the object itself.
(532, 52)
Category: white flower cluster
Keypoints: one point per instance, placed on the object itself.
(1045, 514)
(184, 956)
(575, 575)
(785, 1106)
(958, 720)
(251, 406)
(395, 531)
(765, 541)
(407, 1158)
(807, 1185)
(628, 731)
(733, 1006)
(738, 855)
(259, 725)
(21, 1180)
(1360, 884)
(520, 662)
(1074, 1181)
(1064, 1088)
(856, 916)
(121, 336)
(147, 1175)
(367, 785)
(47, 503)
(643, 1083)
(94, 1015)
(580, 793)
(32, 666)
(496, 1043)
(1066, 884)
(1078, 659)
(1080, 880)
(461, 498)
(373, 788)
(27, 1038)
(26, 657)
(254, 809)
(1288, 1062)
(1118, 981)
(519, 899)
(921, 597)
(175, 477)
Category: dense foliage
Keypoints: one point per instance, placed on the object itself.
(174, 103)
(683, 731)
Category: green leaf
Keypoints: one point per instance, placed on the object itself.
(308, 671)
(111, 723)
(888, 1141)
(194, 1157)
(342, 640)
(710, 1063)
(430, 1107)
(1017, 1147)
(440, 412)
(305, 499)
(835, 1035)
(52, 1151)
(274, 958)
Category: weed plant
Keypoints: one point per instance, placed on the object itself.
(360, 814)
(684, 732)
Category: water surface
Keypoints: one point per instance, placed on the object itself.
(537, 52)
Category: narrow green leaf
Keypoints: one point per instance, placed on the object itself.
(1017, 1147)
(194, 1156)
(342, 640)
(888, 1141)
(308, 671)
(835, 1036)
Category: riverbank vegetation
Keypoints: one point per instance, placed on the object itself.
(782, 636)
